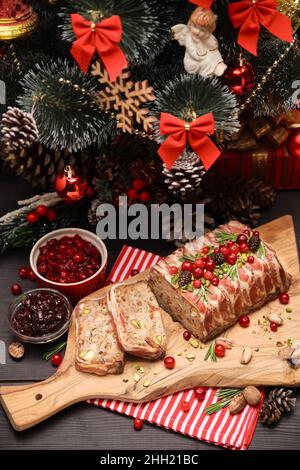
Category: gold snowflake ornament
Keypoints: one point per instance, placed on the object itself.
(125, 99)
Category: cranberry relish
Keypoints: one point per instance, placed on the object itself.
(40, 313)
(68, 260)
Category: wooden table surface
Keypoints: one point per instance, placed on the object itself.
(84, 426)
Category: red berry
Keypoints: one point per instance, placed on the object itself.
(200, 263)
(51, 216)
(132, 193)
(256, 233)
(216, 251)
(230, 243)
(173, 270)
(242, 238)
(247, 232)
(145, 196)
(187, 335)
(210, 265)
(205, 250)
(273, 326)
(90, 192)
(169, 362)
(208, 275)
(205, 258)
(220, 350)
(198, 273)
(41, 211)
(197, 283)
(244, 248)
(200, 393)
(31, 275)
(185, 406)
(23, 273)
(56, 360)
(234, 249)
(187, 266)
(231, 258)
(77, 258)
(284, 298)
(224, 250)
(32, 218)
(244, 321)
(134, 272)
(138, 184)
(16, 289)
(215, 281)
(138, 424)
(250, 259)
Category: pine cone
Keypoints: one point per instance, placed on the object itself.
(185, 176)
(269, 413)
(261, 194)
(283, 399)
(39, 165)
(18, 129)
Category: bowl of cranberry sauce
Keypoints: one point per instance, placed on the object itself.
(40, 316)
(71, 260)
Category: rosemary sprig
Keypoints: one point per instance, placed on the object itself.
(223, 237)
(261, 252)
(188, 258)
(211, 352)
(55, 350)
(224, 398)
(233, 272)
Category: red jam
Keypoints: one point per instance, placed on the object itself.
(68, 259)
(40, 313)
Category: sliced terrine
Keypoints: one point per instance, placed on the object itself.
(137, 319)
(97, 349)
(210, 283)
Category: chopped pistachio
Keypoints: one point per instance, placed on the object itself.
(86, 311)
(179, 354)
(289, 310)
(136, 324)
(190, 357)
(125, 380)
(194, 342)
(136, 377)
(158, 339)
(155, 372)
(147, 383)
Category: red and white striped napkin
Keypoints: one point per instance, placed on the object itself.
(223, 429)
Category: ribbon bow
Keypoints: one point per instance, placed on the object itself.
(179, 132)
(202, 3)
(251, 14)
(102, 37)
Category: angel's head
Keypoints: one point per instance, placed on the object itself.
(202, 23)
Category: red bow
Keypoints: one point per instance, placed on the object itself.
(250, 14)
(203, 3)
(179, 132)
(102, 37)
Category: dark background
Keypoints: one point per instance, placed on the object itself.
(83, 426)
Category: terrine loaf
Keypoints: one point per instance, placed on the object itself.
(97, 349)
(210, 283)
(137, 319)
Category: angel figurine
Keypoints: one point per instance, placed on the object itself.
(202, 54)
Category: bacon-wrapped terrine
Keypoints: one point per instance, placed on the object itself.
(210, 283)
(97, 349)
(137, 319)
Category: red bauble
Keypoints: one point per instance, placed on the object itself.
(138, 424)
(56, 360)
(293, 143)
(240, 79)
(69, 185)
(169, 362)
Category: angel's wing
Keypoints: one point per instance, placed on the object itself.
(179, 32)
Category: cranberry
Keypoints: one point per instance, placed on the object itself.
(23, 273)
(230, 243)
(200, 393)
(200, 263)
(78, 258)
(187, 335)
(16, 289)
(185, 406)
(244, 248)
(187, 266)
(242, 238)
(134, 272)
(205, 250)
(247, 232)
(234, 249)
(256, 233)
(197, 283)
(284, 298)
(41, 211)
(31, 275)
(56, 360)
(145, 196)
(210, 265)
(138, 184)
(231, 258)
(51, 255)
(220, 350)
(244, 321)
(198, 273)
(70, 252)
(216, 251)
(32, 218)
(132, 193)
(224, 250)
(215, 281)
(274, 327)
(208, 275)
(138, 424)
(250, 259)
(205, 258)
(51, 216)
(169, 362)
(173, 270)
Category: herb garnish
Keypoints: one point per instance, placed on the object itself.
(211, 352)
(225, 396)
(56, 349)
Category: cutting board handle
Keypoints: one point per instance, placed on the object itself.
(29, 405)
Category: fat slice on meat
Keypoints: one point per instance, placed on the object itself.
(137, 319)
(97, 348)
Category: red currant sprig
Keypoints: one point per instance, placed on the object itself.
(41, 212)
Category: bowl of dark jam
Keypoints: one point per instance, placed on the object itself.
(40, 316)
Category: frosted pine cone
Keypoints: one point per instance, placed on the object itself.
(18, 129)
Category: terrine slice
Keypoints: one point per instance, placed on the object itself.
(137, 319)
(97, 348)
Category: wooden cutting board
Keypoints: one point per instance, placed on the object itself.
(29, 405)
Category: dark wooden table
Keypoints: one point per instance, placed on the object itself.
(84, 426)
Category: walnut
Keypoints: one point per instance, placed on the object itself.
(237, 404)
(16, 350)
